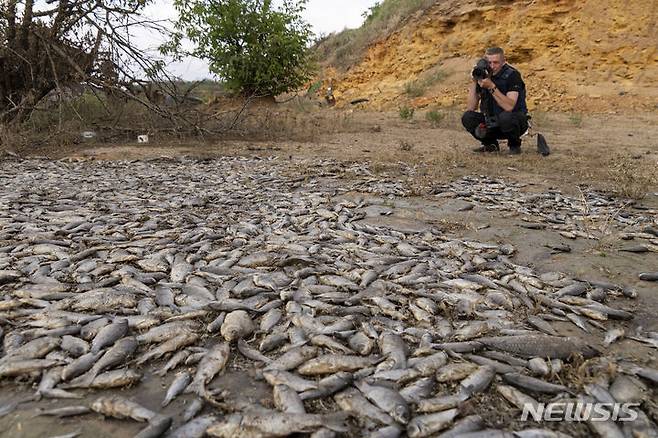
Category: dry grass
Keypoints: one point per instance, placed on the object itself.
(59, 127)
(631, 176)
(299, 119)
(420, 86)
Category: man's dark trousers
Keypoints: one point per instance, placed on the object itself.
(511, 125)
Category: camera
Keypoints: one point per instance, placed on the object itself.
(481, 70)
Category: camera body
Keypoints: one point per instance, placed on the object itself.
(481, 70)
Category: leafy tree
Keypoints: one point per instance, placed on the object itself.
(254, 47)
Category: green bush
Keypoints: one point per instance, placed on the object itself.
(418, 87)
(576, 119)
(406, 113)
(414, 88)
(434, 117)
(254, 47)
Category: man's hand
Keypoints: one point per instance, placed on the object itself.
(487, 83)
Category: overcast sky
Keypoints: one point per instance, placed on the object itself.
(324, 16)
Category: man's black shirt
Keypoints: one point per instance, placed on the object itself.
(508, 79)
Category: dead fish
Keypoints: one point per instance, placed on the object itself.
(166, 331)
(118, 354)
(194, 428)
(237, 325)
(516, 397)
(367, 278)
(270, 319)
(174, 344)
(393, 347)
(499, 367)
(115, 379)
(9, 276)
(12, 368)
(455, 371)
(157, 426)
(293, 358)
(121, 408)
(468, 424)
(461, 347)
(627, 389)
(478, 381)
(175, 360)
(387, 399)
(607, 428)
(252, 353)
(542, 325)
(539, 366)
(418, 390)
(534, 384)
(74, 346)
(279, 377)
(361, 343)
(600, 393)
(328, 386)
(216, 323)
(286, 399)
(109, 334)
(193, 409)
(272, 341)
(181, 381)
(180, 269)
(471, 330)
(426, 425)
(429, 364)
(441, 403)
(647, 373)
(393, 431)
(67, 411)
(332, 363)
(649, 276)
(574, 289)
(399, 376)
(272, 423)
(551, 347)
(35, 349)
(80, 365)
(90, 330)
(351, 400)
(212, 363)
(578, 322)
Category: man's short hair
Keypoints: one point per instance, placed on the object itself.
(495, 51)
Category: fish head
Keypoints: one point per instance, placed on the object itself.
(401, 414)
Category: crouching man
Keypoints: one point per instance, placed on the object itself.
(500, 92)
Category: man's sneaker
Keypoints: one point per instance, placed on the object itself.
(487, 148)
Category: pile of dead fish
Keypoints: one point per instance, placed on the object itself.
(583, 216)
(109, 271)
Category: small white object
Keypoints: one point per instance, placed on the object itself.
(142, 138)
(88, 134)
